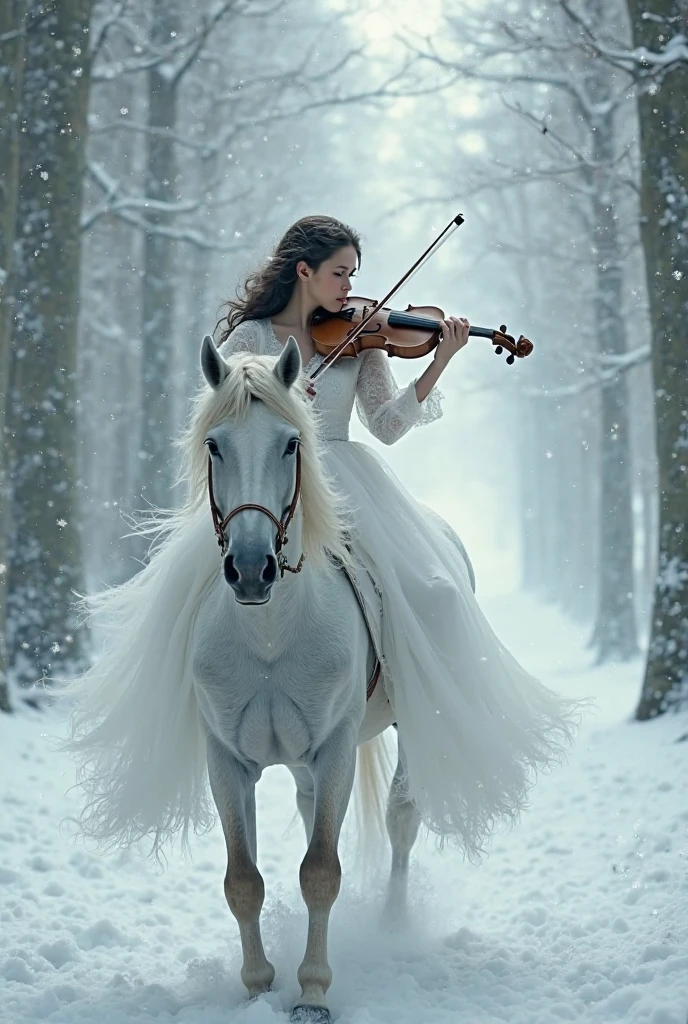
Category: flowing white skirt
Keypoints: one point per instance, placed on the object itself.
(474, 726)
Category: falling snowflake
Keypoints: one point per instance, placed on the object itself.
(61, 522)
(54, 648)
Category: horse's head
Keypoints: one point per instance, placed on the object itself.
(253, 462)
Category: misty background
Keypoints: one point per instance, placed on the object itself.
(153, 151)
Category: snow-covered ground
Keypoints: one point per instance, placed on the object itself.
(579, 914)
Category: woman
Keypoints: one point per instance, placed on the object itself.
(485, 724)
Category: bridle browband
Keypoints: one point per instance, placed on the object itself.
(220, 524)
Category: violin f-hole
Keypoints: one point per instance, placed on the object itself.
(375, 331)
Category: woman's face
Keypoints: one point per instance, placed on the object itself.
(330, 284)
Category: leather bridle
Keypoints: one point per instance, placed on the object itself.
(281, 525)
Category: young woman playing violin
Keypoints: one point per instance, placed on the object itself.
(442, 663)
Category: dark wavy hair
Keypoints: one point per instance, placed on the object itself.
(268, 289)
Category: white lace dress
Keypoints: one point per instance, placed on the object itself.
(474, 725)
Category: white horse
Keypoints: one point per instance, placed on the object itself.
(281, 669)
(246, 666)
(221, 667)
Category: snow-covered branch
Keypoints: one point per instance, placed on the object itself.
(478, 69)
(147, 55)
(639, 61)
(9, 37)
(625, 360)
(617, 365)
(101, 30)
(132, 209)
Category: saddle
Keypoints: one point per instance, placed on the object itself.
(370, 600)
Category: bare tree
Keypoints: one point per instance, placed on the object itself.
(160, 185)
(614, 635)
(532, 58)
(660, 62)
(12, 34)
(45, 552)
(528, 232)
(210, 129)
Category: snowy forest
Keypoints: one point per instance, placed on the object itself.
(149, 156)
(152, 152)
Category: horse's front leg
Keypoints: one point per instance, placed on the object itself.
(234, 788)
(333, 774)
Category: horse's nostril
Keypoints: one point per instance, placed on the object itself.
(231, 575)
(269, 573)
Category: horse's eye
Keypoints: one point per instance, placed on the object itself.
(292, 445)
(211, 446)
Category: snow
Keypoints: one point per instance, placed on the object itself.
(579, 914)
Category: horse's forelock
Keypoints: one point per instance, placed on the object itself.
(251, 378)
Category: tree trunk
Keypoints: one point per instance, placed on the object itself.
(530, 475)
(550, 455)
(664, 197)
(12, 24)
(155, 453)
(614, 635)
(109, 332)
(530, 503)
(199, 320)
(45, 556)
(575, 506)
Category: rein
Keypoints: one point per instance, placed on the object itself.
(220, 524)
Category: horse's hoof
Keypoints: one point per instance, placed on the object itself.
(253, 996)
(310, 1015)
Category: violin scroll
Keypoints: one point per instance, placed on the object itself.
(516, 349)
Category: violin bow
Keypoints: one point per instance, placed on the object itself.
(331, 358)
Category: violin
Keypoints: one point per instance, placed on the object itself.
(411, 333)
(408, 334)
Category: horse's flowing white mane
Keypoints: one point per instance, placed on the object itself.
(252, 377)
(135, 727)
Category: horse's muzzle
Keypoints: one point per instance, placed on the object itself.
(251, 580)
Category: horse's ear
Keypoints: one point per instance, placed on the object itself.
(214, 367)
(288, 366)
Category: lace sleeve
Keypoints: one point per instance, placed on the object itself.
(244, 338)
(387, 412)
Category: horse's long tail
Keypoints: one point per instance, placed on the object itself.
(374, 770)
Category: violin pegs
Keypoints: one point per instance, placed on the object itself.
(498, 350)
(502, 329)
(510, 360)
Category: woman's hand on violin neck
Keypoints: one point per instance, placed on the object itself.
(454, 337)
